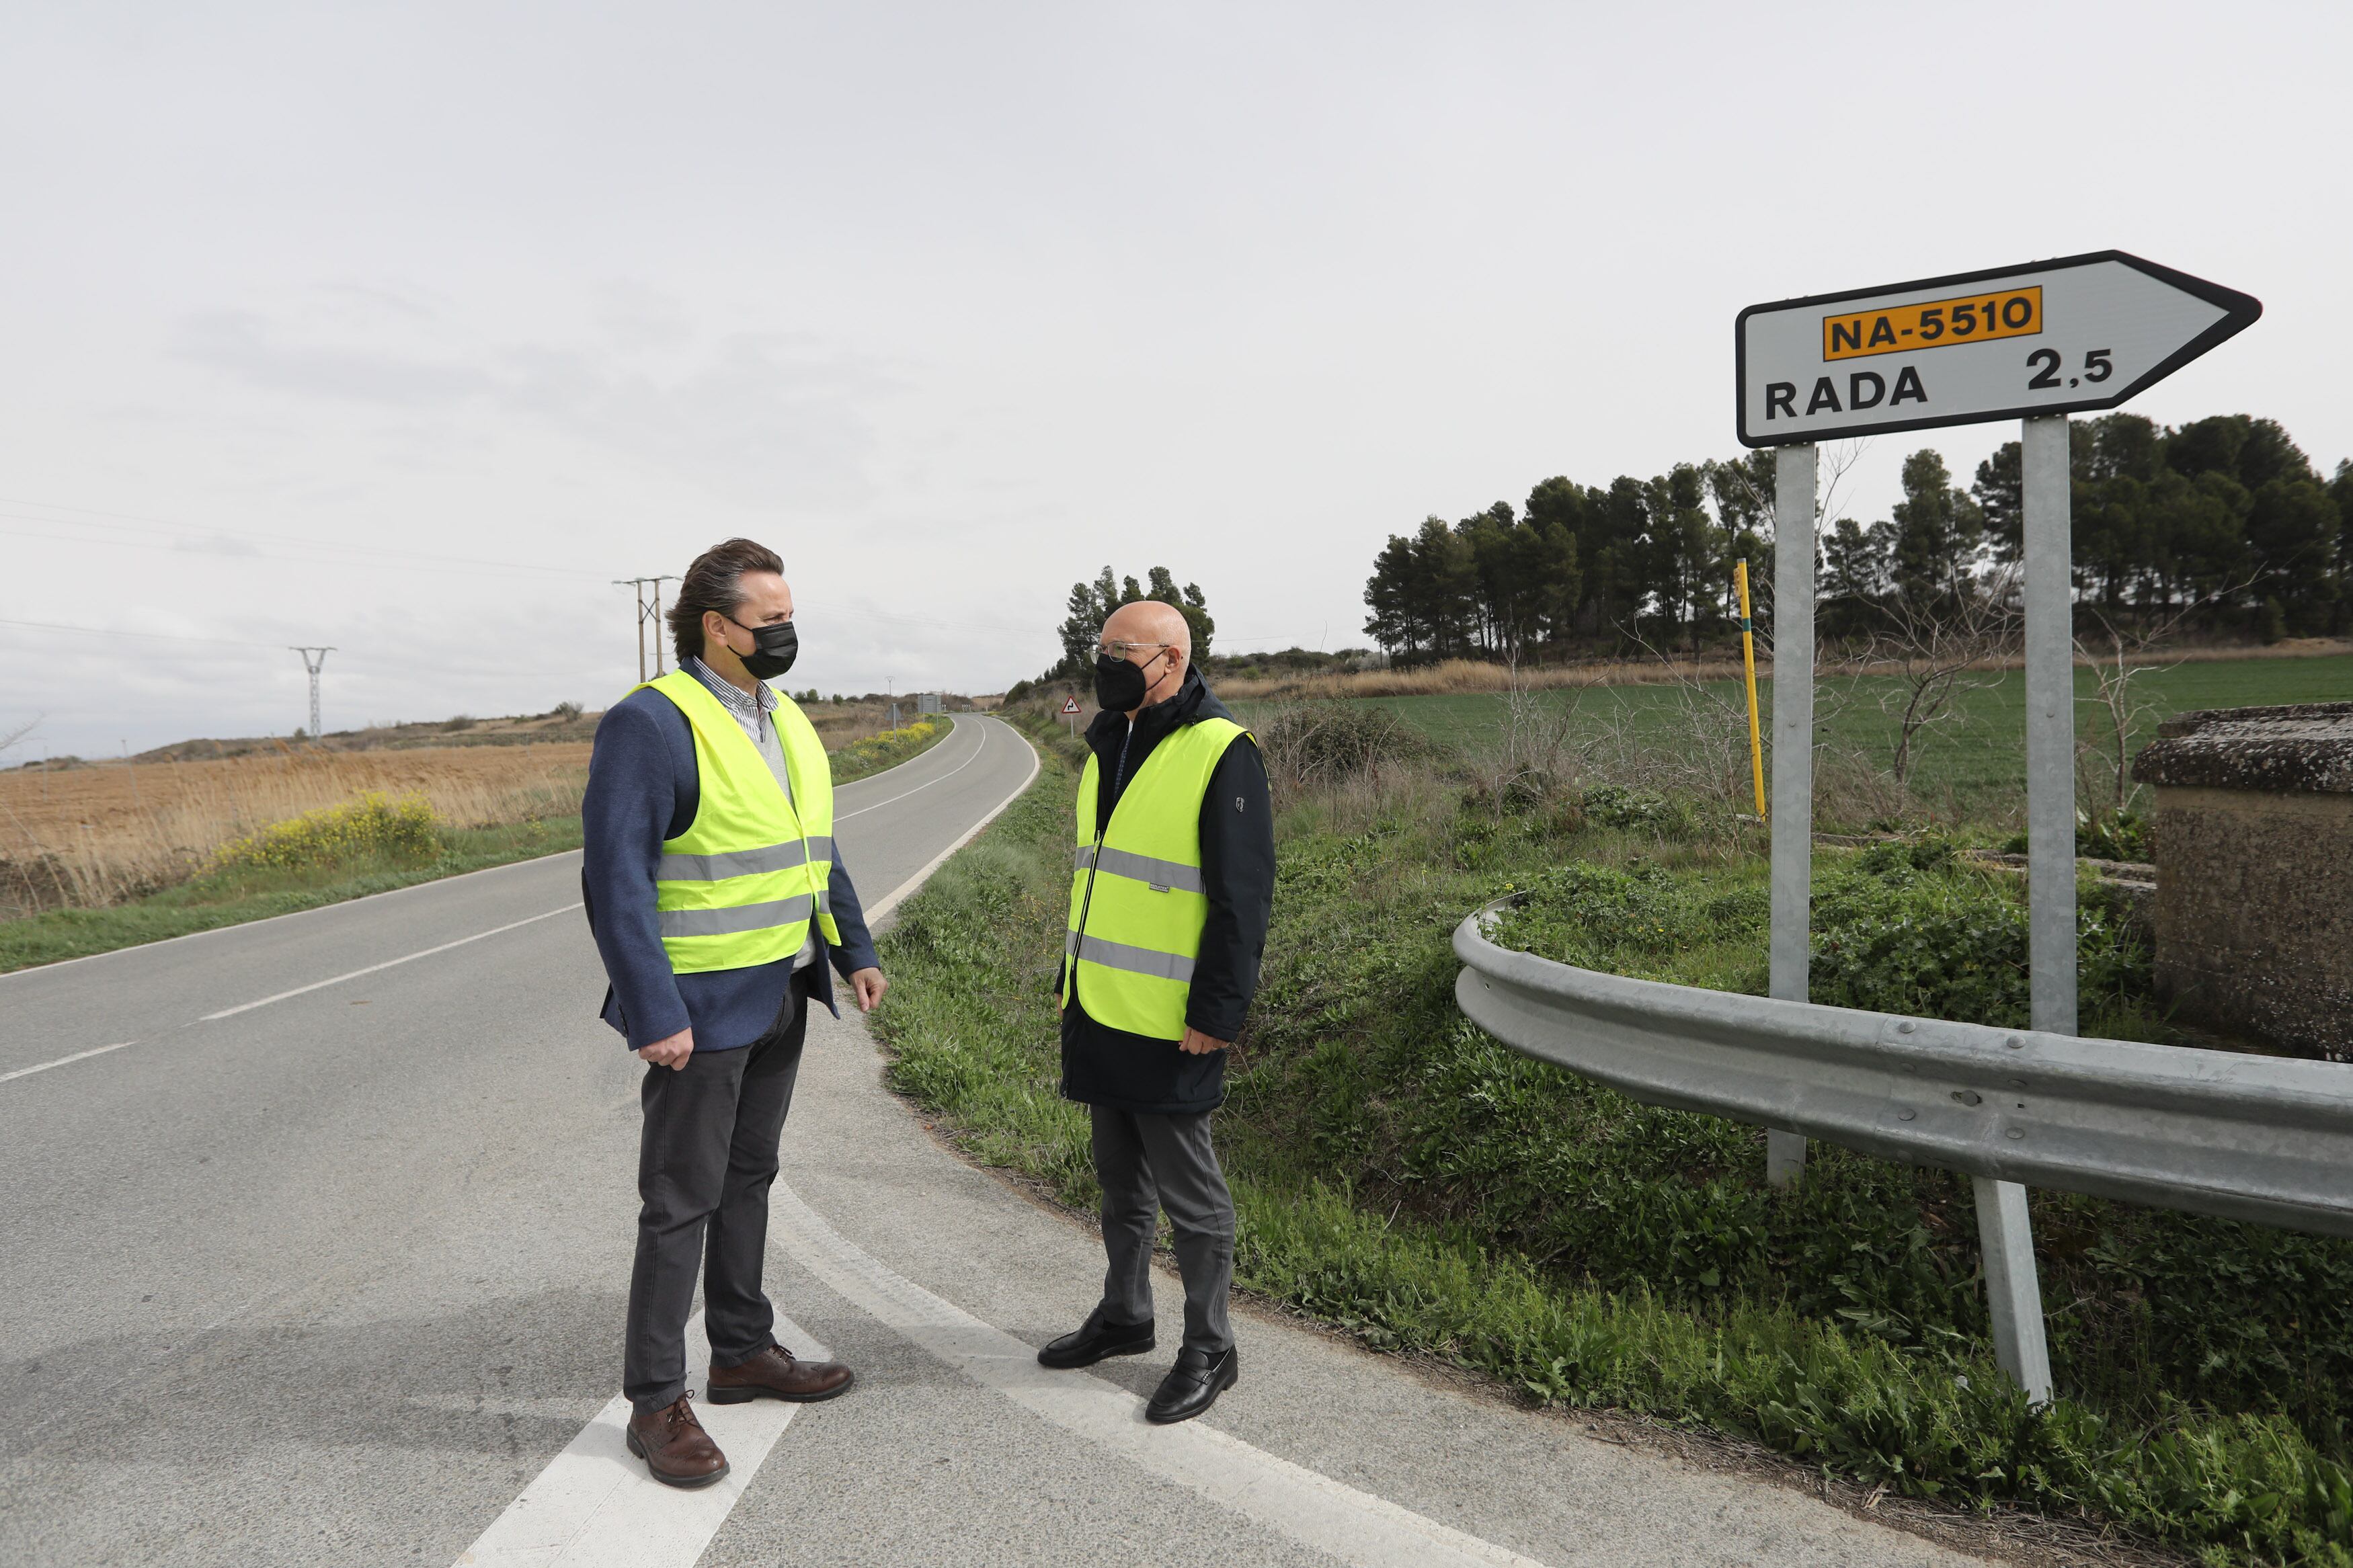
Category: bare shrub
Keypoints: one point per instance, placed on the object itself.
(1538, 756)
(1939, 649)
(1852, 791)
(1693, 742)
(1319, 745)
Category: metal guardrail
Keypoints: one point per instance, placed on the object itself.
(2246, 1137)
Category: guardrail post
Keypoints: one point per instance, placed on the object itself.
(1792, 824)
(2013, 1287)
(2005, 1233)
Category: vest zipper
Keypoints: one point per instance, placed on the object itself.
(1087, 900)
(1086, 903)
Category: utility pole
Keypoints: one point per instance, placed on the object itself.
(648, 592)
(313, 660)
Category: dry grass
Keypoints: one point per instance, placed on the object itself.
(95, 836)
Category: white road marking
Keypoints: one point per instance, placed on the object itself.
(891, 902)
(1311, 1509)
(77, 1056)
(595, 1507)
(387, 963)
(981, 729)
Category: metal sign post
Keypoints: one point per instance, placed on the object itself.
(2033, 343)
(2005, 1231)
(1793, 754)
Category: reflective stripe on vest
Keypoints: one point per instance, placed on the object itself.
(1135, 960)
(740, 886)
(1161, 874)
(745, 862)
(1138, 903)
(741, 918)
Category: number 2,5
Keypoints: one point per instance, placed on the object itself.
(2044, 362)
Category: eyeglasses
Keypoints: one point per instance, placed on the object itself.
(1118, 649)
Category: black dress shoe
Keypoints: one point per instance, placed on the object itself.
(1095, 1339)
(1193, 1384)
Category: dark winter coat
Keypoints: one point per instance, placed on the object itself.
(1103, 1065)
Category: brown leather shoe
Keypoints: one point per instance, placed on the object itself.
(675, 1447)
(776, 1373)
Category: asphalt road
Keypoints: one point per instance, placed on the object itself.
(326, 1263)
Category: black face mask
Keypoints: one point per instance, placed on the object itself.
(1120, 684)
(773, 648)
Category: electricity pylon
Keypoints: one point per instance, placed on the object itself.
(313, 665)
(648, 609)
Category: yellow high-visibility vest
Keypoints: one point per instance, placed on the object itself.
(1137, 901)
(740, 886)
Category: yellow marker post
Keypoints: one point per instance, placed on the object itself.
(1748, 667)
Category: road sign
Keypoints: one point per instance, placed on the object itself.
(1069, 706)
(2083, 332)
(2033, 343)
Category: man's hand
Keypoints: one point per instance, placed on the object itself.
(868, 986)
(1197, 1044)
(670, 1053)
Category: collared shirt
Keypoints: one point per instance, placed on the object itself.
(749, 709)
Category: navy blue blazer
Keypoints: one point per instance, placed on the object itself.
(643, 788)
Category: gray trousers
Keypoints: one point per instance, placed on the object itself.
(1147, 1163)
(706, 1158)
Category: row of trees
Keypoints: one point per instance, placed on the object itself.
(1579, 565)
(2224, 523)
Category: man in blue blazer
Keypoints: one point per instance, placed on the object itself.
(718, 901)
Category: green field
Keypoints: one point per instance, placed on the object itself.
(1970, 769)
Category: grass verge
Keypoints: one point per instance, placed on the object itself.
(1400, 1174)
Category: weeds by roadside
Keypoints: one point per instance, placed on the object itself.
(890, 748)
(375, 824)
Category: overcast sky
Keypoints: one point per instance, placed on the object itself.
(408, 328)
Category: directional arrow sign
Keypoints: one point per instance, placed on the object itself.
(2083, 332)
